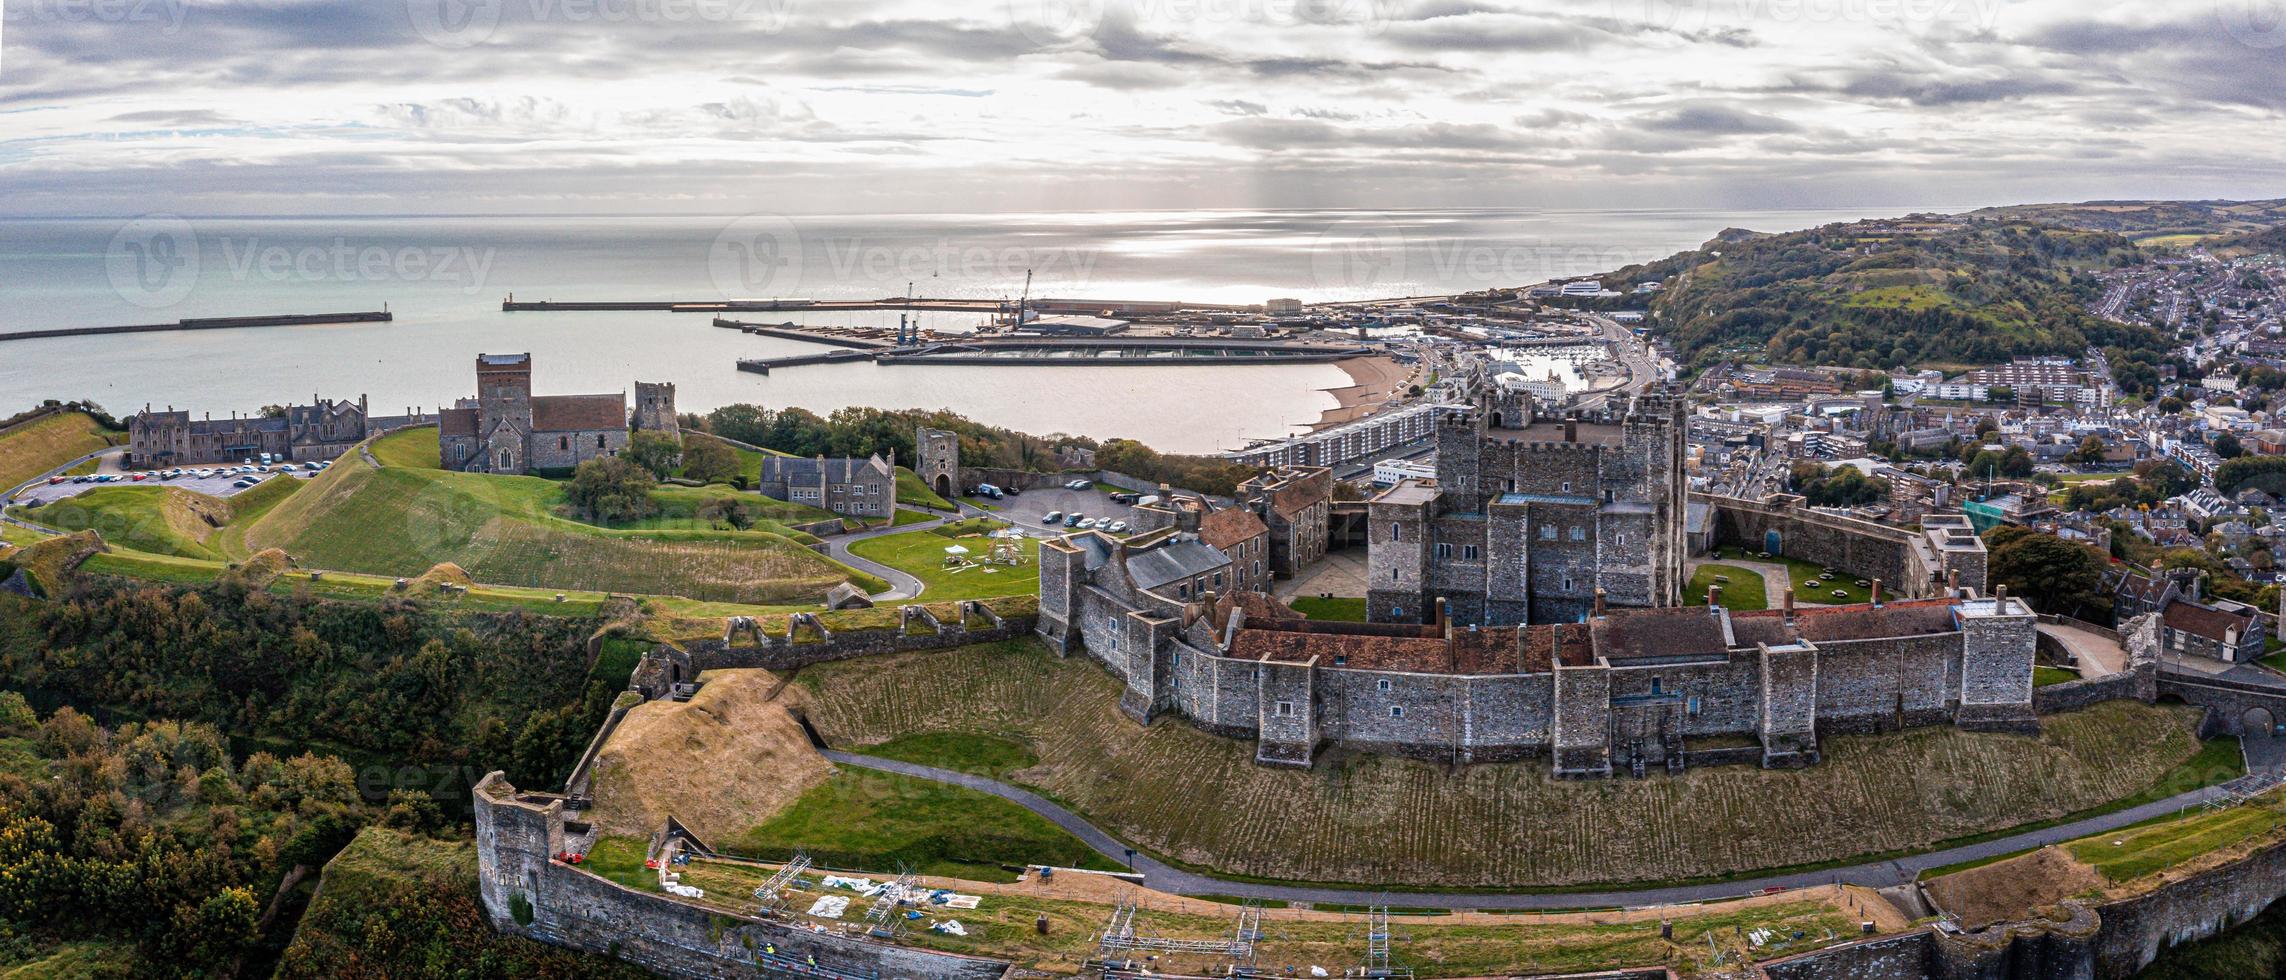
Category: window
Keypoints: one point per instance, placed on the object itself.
(1622, 536)
(1396, 712)
(563, 442)
(1468, 552)
(1579, 533)
(1567, 486)
(1393, 532)
(1382, 684)
(1547, 532)
(1283, 709)
(1444, 550)
(599, 440)
(1567, 580)
(507, 462)
(1609, 496)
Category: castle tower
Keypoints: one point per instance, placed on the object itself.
(504, 410)
(937, 460)
(655, 409)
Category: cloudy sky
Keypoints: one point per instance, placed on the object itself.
(722, 106)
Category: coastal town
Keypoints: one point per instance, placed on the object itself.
(1530, 538)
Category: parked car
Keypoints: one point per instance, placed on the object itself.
(1053, 517)
(1117, 527)
(1087, 524)
(1073, 519)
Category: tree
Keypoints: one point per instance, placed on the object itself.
(611, 490)
(708, 461)
(2053, 574)
(2089, 453)
(2016, 462)
(2227, 446)
(654, 452)
(727, 512)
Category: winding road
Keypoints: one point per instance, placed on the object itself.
(902, 585)
(1875, 874)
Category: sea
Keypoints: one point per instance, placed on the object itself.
(444, 278)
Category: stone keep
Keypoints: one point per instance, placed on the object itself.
(655, 409)
(936, 459)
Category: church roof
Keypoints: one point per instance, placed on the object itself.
(578, 413)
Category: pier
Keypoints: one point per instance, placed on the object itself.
(892, 304)
(208, 323)
(839, 337)
(1066, 351)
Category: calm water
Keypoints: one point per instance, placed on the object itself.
(444, 278)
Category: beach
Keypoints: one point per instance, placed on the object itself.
(1374, 382)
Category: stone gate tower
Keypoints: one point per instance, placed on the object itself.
(936, 459)
(655, 409)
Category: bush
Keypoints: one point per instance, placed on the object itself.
(611, 490)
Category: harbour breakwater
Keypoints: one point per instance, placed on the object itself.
(208, 323)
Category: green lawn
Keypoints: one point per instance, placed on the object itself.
(1338, 608)
(861, 818)
(412, 448)
(1742, 588)
(922, 555)
(2124, 855)
(161, 520)
(512, 530)
(620, 859)
(2042, 676)
(1802, 573)
(984, 755)
(904, 517)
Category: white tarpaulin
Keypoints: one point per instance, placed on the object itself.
(829, 907)
(950, 928)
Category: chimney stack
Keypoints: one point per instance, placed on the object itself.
(1787, 603)
(1439, 613)
(2000, 593)
(1953, 582)
(1714, 600)
(1599, 602)
(1571, 430)
(1876, 592)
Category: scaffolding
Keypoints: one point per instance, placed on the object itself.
(885, 922)
(773, 892)
(1119, 937)
(1377, 942)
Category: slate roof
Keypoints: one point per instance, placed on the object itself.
(838, 469)
(2199, 619)
(578, 413)
(1174, 562)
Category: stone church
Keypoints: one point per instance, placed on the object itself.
(507, 429)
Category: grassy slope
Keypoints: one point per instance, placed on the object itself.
(1201, 799)
(866, 819)
(912, 492)
(159, 520)
(391, 904)
(922, 554)
(43, 445)
(504, 530)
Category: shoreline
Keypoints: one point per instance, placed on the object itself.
(1374, 383)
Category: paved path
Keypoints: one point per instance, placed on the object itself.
(1880, 874)
(2097, 655)
(902, 585)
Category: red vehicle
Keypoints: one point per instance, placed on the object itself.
(53, 480)
(140, 477)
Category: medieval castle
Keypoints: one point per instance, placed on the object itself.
(1528, 602)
